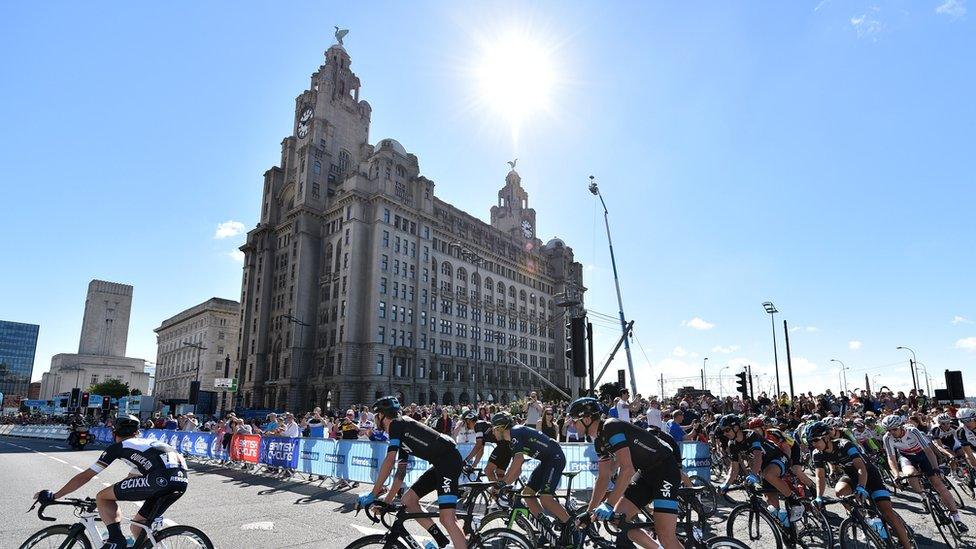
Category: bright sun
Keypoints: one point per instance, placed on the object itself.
(516, 79)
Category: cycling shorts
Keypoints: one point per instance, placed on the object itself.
(875, 485)
(919, 462)
(658, 485)
(158, 491)
(501, 456)
(545, 478)
(443, 477)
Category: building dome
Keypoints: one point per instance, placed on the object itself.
(393, 144)
(555, 243)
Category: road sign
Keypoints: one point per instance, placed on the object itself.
(228, 384)
(95, 401)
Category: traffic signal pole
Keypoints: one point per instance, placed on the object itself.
(789, 360)
(589, 350)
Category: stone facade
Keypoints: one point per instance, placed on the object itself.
(214, 324)
(101, 350)
(358, 281)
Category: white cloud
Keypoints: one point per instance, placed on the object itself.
(957, 320)
(954, 9)
(236, 255)
(854, 345)
(810, 329)
(867, 26)
(725, 350)
(679, 351)
(968, 344)
(228, 229)
(698, 324)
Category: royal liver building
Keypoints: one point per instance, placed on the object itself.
(359, 281)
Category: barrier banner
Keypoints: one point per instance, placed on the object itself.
(280, 452)
(696, 459)
(245, 448)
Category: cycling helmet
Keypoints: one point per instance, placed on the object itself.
(756, 423)
(805, 417)
(815, 417)
(892, 422)
(966, 414)
(501, 419)
(834, 422)
(772, 422)
(585, 406)
(469, 415)
(859, 423)
(389, 406)
(943, 419)
(870, 420)
(730, 420)
(126, 425)
(816, 429)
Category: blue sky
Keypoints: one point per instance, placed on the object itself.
(817, 154)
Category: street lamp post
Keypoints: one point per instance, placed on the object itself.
(704, 363)
(771, 310)
(616, 280)
(301, 349)
(911, 365)
(843, 371)
(721, 383)
(925, 372)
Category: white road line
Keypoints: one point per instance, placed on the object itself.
(59, 460)
(76, 468)
(262, 526)
(366, 531)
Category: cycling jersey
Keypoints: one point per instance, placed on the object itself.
(417, 439)
(163, 477)
(867, 439)
(501, 455)
(965, 436)
(653, 453)
(843, 454)
(534, 444)
(947, 438)
(911, 444)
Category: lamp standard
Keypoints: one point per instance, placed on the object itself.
(843, 371)
(911, 365)
(476, 260)
(301, 348)
(721, 383)
(616, 280)
(925, 372)
(704, 363)
(771, 310)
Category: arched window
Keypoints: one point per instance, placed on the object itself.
(446, 269)
(501, 289)
(542, 302)
(475, 280)
(522, 295)
(489, 284)
(343, 160)
(462, 274)
(400, 171)
(511, 292)
(317, 167)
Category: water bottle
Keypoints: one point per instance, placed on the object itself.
(878, 526)
(796, 513)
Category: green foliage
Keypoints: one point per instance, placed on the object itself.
(110, 387)
(609, 391)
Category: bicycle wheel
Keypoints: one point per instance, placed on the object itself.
(723, 542)
(182, 537)
(503, 519)
(856, 535)
(945, 526)
(375, 540)
(708, 497)
(962, 479)
(813, 530)
(500, 538)
(56, 536)
(755, 527)
(956, 496)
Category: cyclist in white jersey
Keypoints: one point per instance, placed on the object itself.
(908, 450)
(966, 434)
(943, 437)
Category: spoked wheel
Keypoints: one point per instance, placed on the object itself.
(503, 519)
(945, 526)
(501, 538)
(375, 541)
(813, 530)
(963, 481)
(56, 536)
(183, 537)
(956, 496)
(723, 542)
(854, 535)
(756, 528)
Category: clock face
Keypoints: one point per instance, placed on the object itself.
(304, 122)
(526, 229)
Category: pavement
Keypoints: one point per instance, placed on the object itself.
(242, 510)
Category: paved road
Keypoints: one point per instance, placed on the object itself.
(236, 509)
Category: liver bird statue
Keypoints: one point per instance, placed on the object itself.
(512, 163)
(340, 33)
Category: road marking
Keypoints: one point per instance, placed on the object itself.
(76, 468)
(366, 531)
(59, 460)
(259, 526)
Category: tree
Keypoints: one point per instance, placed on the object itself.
(135, 392)
(609, 391)
(110, 387)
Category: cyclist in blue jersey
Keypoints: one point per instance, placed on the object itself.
(648, 471)
(544, 480)
(411, 437)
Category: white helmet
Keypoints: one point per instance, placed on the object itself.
(892, 422)
(966, 414)
(834, 422)
(944, 418)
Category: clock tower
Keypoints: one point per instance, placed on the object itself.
(513, 214)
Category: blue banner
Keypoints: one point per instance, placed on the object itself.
(280, 452)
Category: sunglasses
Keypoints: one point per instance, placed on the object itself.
(727, 429)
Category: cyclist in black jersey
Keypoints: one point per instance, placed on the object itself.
(544, 480)
(158, 477)
(408, 436)
(860, 475)
(647, 471)
(499, 458)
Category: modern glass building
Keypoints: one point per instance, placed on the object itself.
(17, 345)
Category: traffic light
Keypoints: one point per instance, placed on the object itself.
(75, 398)
(194, 392)
(84, 399)
(576, 345)
(740, 384)
(106, 403)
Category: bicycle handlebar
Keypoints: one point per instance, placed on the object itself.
(87, 504)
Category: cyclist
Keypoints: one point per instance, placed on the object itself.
(866, 438)
(943, 436)
(527, 442)
(965, 434)
(766, 461)
(648, 471)
(158, 477)
(411, 437)
(859, 475)
(908, 449)
(786, 444)
(499, 458)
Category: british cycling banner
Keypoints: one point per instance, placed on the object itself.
(245, 448)
(280, 452)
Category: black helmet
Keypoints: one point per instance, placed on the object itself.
(501, 419)
(816, 429)
(126, 425)
(585, 406)
(730, 420)
(389, 406)
(469, 415)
